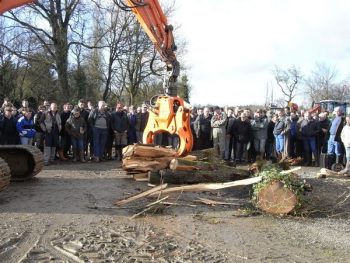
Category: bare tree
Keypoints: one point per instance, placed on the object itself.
(322, 82)
(288, 81)
(51, 23)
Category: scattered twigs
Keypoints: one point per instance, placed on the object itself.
(155, 190)
(149, 207)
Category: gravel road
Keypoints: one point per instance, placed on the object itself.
(66, 214)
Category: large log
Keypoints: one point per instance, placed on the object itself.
(274, 198)
(196, 176)
(199, 164)
(143, 150)
(142, 164)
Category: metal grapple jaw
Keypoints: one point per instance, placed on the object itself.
(170, 115)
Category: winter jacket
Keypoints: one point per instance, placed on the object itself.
(141, 121)
(76, 127)
(259, 128)
(339, 129)
(25, 127)
(281, 126)
(309, 128)
(64, 117)
(94, 114)
(119, 121)
(241, 130)
(48, 120)
(345, 135)
(219, 121)
(37, 118)
(202, 125)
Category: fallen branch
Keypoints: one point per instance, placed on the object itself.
(209, 187)
(291, 170)
(149, 207)
(157, 190)
(212, 202)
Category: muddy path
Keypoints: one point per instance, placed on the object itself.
(66, 214)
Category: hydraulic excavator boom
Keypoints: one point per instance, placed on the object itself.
(169, 113)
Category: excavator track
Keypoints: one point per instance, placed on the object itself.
(5, 174)
(24, 161)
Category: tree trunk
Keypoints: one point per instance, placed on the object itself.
(142, 164)
(197, 176)
(145, 150)
(277, 199)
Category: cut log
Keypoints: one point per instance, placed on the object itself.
(143, 164)
(208, 187)
(141, 150)
(156, 189)
(190, 158)
(174, 165)
(276, 199)
(196, 176)
(200, 165)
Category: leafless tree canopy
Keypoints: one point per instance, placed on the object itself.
(323, 84)
(288, 80)
(68, 49)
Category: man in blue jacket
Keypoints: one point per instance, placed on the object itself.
(25, 127)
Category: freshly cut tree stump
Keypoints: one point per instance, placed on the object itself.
(196, 176)
(274, 198)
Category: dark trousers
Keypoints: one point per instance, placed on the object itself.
(310, 147)
(99, 138)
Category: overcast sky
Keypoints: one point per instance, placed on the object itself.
(233, 45)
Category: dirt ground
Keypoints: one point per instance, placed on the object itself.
(66, 214)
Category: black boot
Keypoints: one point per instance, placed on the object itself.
(339, 159)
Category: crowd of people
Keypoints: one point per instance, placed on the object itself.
(242, 135)
(79, 132)
(239, 135)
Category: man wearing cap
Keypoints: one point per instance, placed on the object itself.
(120, 125)
(334, 141)
(218, 124)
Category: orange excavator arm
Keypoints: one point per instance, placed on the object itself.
(6, 5)
(154, 22)
(169, 113)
